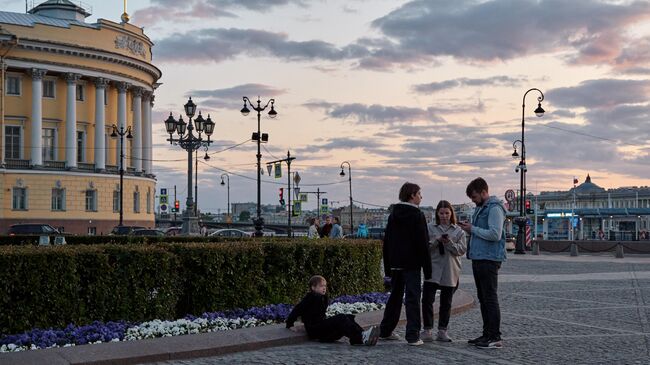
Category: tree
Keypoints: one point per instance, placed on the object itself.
(244, 216)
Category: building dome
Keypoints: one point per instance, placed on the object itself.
(588, 187)
(62, 9)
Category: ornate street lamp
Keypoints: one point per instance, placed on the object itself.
(190, 143)
(522, 169)
(350, 181)
(259, 137)
(121, 132)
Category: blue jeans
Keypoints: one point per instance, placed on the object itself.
(486, 277)
(402, 281)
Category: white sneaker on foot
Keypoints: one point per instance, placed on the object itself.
(370, 336)
(416, 343)
(392, 337)
(426, 336)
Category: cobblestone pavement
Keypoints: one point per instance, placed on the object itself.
(580, 311)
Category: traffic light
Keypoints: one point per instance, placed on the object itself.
(528, 209)
(177, 206)
(282, 197)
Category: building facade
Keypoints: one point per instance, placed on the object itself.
(65, 85)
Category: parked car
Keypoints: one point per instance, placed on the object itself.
(124, 230)
(173, 231)
(510, 243)
(148, 232)
(376, 232)
(32, 229)
(230, 232)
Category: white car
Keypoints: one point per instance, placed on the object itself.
(230, 232)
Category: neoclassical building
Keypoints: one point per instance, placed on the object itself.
(65, 84)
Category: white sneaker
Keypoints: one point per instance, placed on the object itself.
(426, 336)
(392, 337)
(442, 336)
(416, 343)
(370, 336)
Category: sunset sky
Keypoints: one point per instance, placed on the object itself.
(422, 91)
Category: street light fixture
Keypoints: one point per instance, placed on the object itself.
(259, 137)
(521, 221)
(350, 182)
(190, 143)
(222, 184)
(121, 132)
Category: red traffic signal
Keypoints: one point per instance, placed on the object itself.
(527, 204)
(281, 196)
(177, 205)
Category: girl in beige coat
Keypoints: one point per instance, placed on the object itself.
(446, 245)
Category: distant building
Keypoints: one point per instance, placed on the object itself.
(620, 213)
(65, 84)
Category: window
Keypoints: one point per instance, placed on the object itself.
(58, 199)
(19, 199)
(92, 231)
(49, 87)
(116, 201)
(81, 146)
(48, 144)
(136, 202)
(91, 200)
(80, 92)
(148, 201)
(13, 85)
(12, 142)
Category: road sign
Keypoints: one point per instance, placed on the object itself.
(163, 191)
(324, 209)
(304, 197)
(297, 208)
(278, 170)
(163, 208)
(510, 195)
(324, 201)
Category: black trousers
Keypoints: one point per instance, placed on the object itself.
(402, 281)
(333, 328)
(429, 297)
(486, 277)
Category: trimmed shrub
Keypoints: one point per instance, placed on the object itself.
(56, 285)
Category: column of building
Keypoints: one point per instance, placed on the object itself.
(71, 120)
(100, 124)
(137, 129)
(146, 132)
(37, 117)
(122, 87)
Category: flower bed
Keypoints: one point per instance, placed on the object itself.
(99, 332)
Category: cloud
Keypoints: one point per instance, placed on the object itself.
(217, 45)
(174, 10)
(375, 113)
(466, 82)
(231, 98)
(601, 93)
(487, 31)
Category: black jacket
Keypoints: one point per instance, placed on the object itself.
(406, 240)
(311, 308)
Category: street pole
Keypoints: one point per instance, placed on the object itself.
(228, 202)
(521, 221)
(121, 132)
(259, 221)
(288, 161)
(190, 142)
(350, 182)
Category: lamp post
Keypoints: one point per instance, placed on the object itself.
(259, 137)
(350, 181)
(521, 168)
(121, 132)
(190, 143)
(222, 184)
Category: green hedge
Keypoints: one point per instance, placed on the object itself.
(53, 286)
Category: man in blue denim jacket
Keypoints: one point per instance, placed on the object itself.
(487, 250)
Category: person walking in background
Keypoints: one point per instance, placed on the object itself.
(447, 245)
(406, 253)
(326, 228)
(312, 309)
(337, 231)
(313, 229)
(487, 250)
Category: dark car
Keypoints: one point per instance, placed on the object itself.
(376, 232)
(33, 229)
(148, 232)
(124, 230)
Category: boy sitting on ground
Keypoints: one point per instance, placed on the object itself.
(312, 310)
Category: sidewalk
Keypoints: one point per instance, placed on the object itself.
(188, 346)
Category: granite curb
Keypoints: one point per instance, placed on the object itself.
(190, 346)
